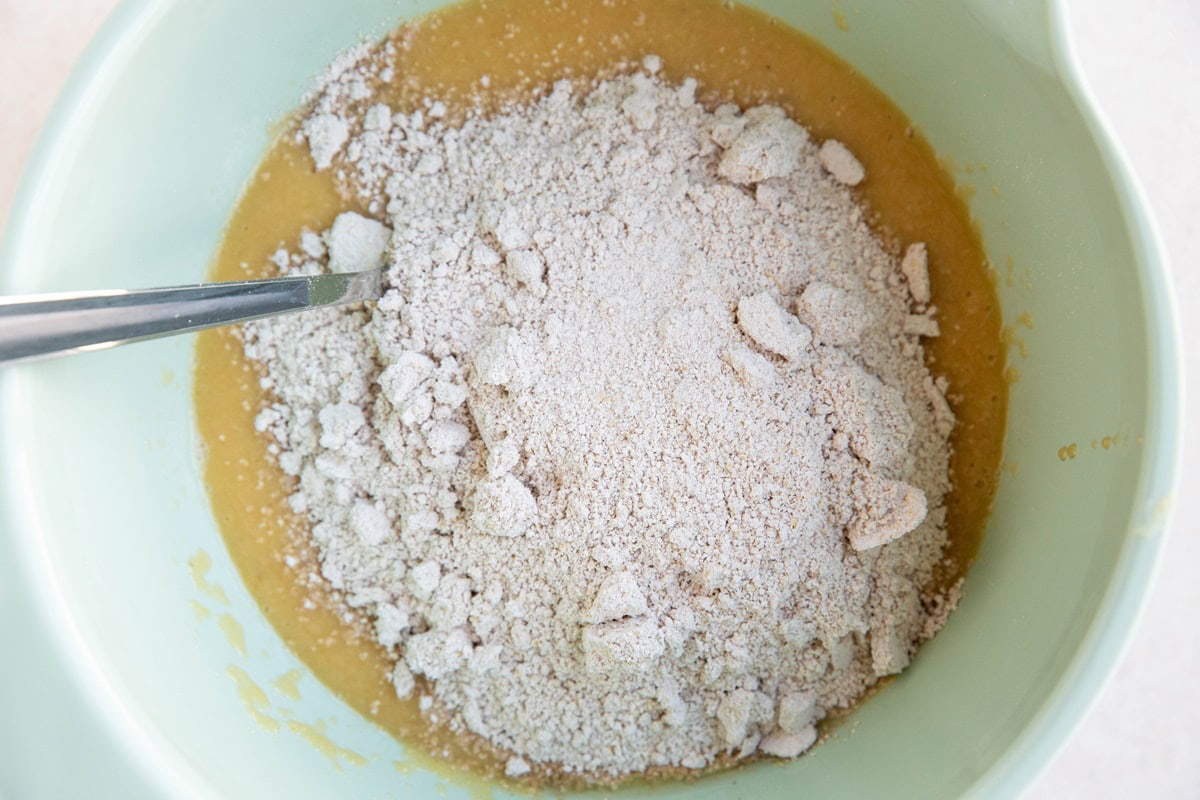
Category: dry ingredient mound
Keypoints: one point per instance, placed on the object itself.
(637, 461)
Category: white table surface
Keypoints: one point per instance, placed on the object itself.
(1142, 739)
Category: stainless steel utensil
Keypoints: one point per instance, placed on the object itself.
(38, 326)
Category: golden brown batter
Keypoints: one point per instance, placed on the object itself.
(736, 54)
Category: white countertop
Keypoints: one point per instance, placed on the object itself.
(1142, 739)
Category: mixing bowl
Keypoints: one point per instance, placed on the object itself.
(134, 667)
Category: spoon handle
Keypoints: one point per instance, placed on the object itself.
(38, 326)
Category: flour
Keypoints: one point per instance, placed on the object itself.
(835, 157)
(356, 243)
(915, 267)
(638, 460)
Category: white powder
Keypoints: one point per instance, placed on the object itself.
(840, 162)
(356, 243)
(638, 461)
(915, 267)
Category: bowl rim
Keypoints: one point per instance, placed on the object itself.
(1121, 607)
(1029, 754)
(157, 766)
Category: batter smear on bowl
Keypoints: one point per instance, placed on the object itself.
(639, 464)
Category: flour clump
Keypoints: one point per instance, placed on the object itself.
(637, 462)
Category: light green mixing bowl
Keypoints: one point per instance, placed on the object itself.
(113, 685)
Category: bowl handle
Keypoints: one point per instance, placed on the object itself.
(1026, 25)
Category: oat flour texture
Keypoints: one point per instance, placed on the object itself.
(638, 461)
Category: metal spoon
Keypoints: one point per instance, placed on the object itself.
(39, 326)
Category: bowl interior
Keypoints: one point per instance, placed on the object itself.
(102, 496)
